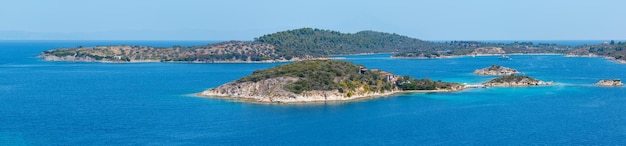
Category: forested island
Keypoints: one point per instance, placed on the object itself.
(322, 81)
(310, 43)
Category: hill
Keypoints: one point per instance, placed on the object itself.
(320, 42)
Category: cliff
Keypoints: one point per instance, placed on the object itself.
(513, 80)
(321, 81)
(496, 70)
(616, 82)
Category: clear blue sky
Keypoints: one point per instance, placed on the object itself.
(246, 19)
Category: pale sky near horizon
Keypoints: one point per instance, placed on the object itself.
(247, 19)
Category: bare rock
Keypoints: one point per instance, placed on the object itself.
(616, 82)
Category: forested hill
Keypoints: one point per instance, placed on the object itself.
(318, 42)
(613, 50)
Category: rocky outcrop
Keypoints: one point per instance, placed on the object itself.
(616, 82)
(273, 91)
(512, 80)
(495, 70)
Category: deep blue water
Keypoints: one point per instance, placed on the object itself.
(62, 103)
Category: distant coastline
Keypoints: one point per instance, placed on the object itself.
(310, 43)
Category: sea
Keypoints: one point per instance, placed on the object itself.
(76, 103)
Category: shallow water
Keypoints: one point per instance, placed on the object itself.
(63, 103)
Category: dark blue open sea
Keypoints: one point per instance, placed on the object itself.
(64, 103)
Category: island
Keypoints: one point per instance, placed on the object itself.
(323, 80)
(515, 80)
(496, 70)
(312, 43)
(607, 82)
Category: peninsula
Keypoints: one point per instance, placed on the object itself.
(323, 81)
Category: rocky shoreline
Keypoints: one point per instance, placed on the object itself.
(310, 96)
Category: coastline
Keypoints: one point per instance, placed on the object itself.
(66, 59)
(343, 99)
(73, 59)
(596, 56)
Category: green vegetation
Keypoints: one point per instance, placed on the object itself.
(225, 51)
(307, 43)
(468, 47)
(494, 67)
(342, 76)
(324, 75)
(613, 50)
(409, 83)
(513, 78)
(317, 42)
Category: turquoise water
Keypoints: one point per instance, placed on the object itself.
(62, 103)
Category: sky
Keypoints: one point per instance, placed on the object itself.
(247, 19)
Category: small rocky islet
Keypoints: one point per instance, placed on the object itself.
(508, 77)
(496, 70)
(515, 80)
(609, 82)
